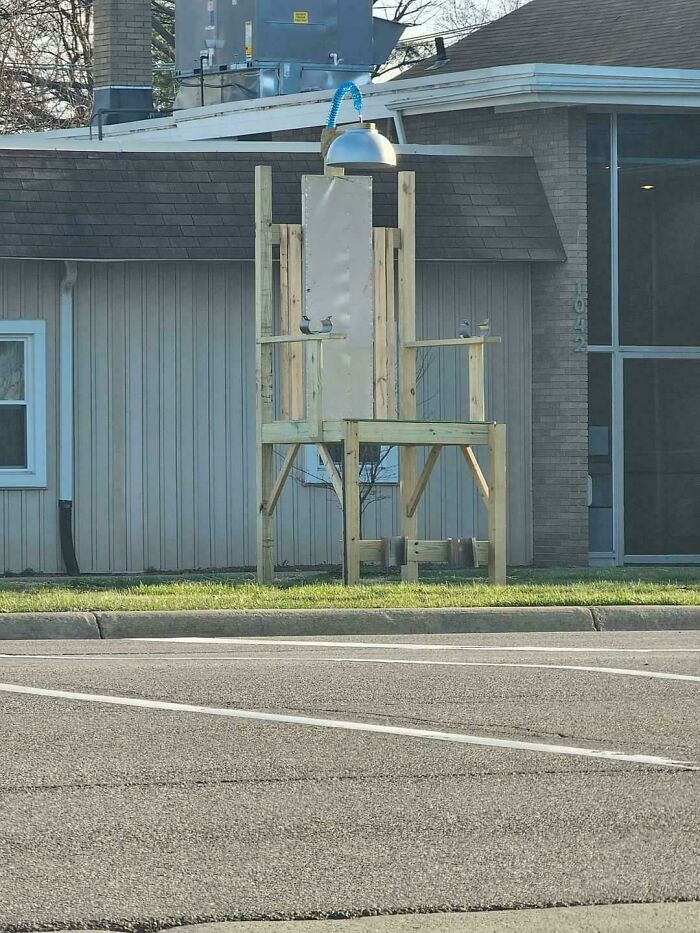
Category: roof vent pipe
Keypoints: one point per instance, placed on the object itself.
(122, 61)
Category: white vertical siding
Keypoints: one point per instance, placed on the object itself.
(165, 418)
(29, 518)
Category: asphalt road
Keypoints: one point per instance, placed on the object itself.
(155, 797)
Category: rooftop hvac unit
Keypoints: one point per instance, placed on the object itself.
(230, 50)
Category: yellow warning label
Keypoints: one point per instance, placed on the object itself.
(302, 18)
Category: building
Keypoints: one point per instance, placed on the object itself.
(557, 154)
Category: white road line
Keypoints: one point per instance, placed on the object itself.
(414, 646)
(351, 726)
(620, 671)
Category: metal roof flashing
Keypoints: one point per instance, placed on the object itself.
(509, 87)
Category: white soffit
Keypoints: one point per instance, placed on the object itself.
(511, 87)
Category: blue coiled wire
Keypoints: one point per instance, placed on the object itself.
(348, 88)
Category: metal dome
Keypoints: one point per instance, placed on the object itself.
(361, 147)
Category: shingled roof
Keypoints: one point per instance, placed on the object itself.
(113, 205)
(628, 33)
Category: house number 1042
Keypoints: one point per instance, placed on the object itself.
(580, 308)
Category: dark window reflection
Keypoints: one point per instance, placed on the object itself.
(13, 436)
(599, 247)
(662, 457)
(600, 512)
(659, 183)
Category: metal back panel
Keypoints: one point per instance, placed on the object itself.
(339, 281)
(276, 31)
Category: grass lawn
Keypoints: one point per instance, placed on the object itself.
(576, 587)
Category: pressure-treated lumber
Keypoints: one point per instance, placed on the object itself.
(422, 482)
(264, 369)
(314, 381)
(284, 472)
(476, 471)
(497, 503)
(381, 403)
(390, 271)
(452, 342)
(477, 387)
(296, 304)
(372, 550)
(407, 357)
(285, 327)
(351, 504)
(299, 338)
(331, 470)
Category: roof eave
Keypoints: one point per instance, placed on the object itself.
(509, 87)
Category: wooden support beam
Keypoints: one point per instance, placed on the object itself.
(372, 550)
(381, 401)
(296, 304)
(351, 505)
(479, 478)
(497, 504)
(477, 384)
(422, 433)
(300, 338)
(407, 407)
(480, 552)
(332, 470)
(284, 472)
(285, 327)
(422, 482)
(314, 378)
(434, 552)
(452, 342)
(391, 389)
(264, 369)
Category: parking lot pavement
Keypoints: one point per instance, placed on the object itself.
(177, 781)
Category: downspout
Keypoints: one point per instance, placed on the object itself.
(400, 128)
(65, 419)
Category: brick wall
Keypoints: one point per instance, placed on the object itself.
(122, 47)
(557, 138)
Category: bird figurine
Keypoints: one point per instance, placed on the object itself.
(465, 329)
(485, 328)
(326, 326)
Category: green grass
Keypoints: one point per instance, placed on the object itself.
(574, 587)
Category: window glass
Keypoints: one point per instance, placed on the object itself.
(11, 370)
(13, 436)
(22, 404)
(662, 456)
(659, 181)
(600, 505)
(599, 222)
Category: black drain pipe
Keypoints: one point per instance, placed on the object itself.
(65, 420)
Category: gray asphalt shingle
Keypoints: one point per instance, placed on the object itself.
(627, 33)
(111, 205)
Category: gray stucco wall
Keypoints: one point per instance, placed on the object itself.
(165, 418)
(557, 138)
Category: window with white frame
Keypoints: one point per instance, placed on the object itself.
(22, 404)
(379, 464)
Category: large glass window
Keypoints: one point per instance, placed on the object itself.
(659, 223)
(662, 456)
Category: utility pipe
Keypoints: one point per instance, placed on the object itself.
(65, 419)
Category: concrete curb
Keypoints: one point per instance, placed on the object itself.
(342, 622)
(59, 625)
(642, 618)
(368, 622)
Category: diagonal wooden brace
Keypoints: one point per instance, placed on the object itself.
(422, 482)
(284, 472)
(479, 478)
